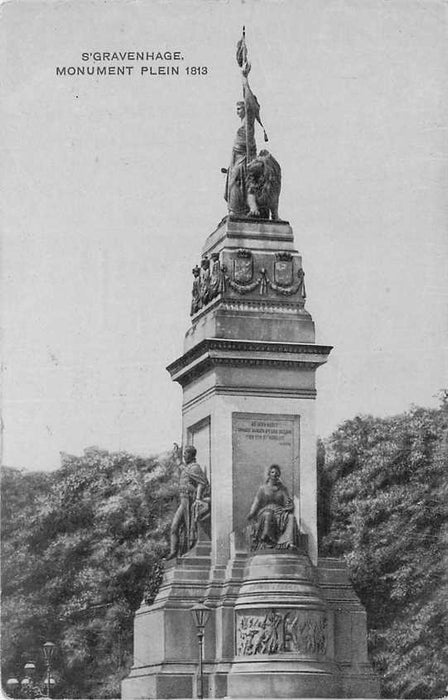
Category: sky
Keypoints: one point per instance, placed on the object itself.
(112, 183)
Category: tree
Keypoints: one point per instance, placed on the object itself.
(81, 550)
(387, 498)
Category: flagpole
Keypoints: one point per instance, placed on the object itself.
(245, 78)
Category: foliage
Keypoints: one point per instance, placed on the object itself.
(384, 487)
(81, 548)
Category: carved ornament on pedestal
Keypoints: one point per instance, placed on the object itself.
(281, 631)
(245, 276)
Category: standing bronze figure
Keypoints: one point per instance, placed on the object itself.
(243, 151)
(253, 182)
(194, 504)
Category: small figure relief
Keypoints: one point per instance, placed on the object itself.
(301, 288)
(311, 637)
(270, 640)
(271, 515)
(196, 302)
(215, 276)
(260, 634)
(248, 629)
(276, 632)
(204, 278)
(208, 281)
(194, 503)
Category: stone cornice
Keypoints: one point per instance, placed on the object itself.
(212, 352)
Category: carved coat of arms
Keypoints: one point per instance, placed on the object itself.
(283, 269)
(243, 267)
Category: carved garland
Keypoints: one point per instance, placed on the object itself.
(288, 291)
(261, 281)
(208, 283)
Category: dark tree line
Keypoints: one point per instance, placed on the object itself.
(81, 548)
(384, 506)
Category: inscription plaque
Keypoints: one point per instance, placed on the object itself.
(259, 440)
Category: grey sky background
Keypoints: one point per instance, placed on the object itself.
(113, 183)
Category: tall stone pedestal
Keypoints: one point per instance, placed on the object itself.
(283, 624)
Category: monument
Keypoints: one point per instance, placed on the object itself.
(284, 623)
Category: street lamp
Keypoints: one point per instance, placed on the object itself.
(11, 686)
(28, 681)
(200, 613)
(25, 685)
(29, 669)
(48, 650)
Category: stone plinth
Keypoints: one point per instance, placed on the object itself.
(257, 288)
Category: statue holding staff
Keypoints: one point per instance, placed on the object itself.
(253, 182)
(244, 149)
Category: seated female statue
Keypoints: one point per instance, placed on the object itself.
(272, 514)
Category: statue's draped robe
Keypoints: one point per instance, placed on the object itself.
(273, 512)
(236, 191)
(193, 511)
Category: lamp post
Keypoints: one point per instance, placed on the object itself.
(27, 687)
(48, 650)
(11, 686)
(26, 684)
(30, 669)
(200, 613)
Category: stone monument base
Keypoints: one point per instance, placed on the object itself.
(279, 627)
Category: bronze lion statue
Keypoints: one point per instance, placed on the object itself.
(264, 179)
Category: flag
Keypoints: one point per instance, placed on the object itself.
(241, 50)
